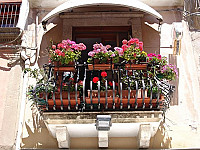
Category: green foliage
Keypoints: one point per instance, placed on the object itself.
(42, 87)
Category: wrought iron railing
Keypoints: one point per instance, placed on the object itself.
(9, 14)
(123, 88)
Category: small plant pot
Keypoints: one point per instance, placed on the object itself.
(136, 66)
(102, 93)
(65, 95)
(100, 66)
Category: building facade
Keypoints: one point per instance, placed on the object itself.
(27, 27)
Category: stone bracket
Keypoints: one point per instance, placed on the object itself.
(144, 136)
(63, 137)
(103, 139)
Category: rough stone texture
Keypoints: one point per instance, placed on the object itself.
(63, 137)
(103, 139)
(144, 136)
(90, 117)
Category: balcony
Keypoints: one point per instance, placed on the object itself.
(123, 94)
(9, 15)
(123, 88)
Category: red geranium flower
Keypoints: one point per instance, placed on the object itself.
(103, 74)
(110, 83)
(95, 79)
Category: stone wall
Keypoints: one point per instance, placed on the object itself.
(10, 95)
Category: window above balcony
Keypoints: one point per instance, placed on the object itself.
(9, 20)
(9, 13)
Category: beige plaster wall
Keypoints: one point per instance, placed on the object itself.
(10, 96)
(180, 129)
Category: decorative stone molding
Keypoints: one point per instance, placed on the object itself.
(103, 139)
(142, 124)
(90, 117)
(144, 136)
(92, 15)
(62, 136)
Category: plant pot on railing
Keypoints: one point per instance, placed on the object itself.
(64, 67)
(65, 53)
(132, 101)
(135, 66)
(98, 65)
(65, 99)
(102, 97)
(101, 58)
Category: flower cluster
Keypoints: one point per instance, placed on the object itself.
(154, 59)
(132, 50)
(67, 51)
(102, 82)
(155, 64)
(102, 54)
(169, 72)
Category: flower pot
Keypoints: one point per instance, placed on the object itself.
(64, 99)
(136, 66)
(140, 103)
(102, 93)
(64, 67)
(100, 66)
(65, 95)
(102, 97)
(65, 102)
(125, 93)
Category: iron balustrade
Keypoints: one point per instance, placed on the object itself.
(9, 14)
(135, 80)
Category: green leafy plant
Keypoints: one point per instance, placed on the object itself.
(42, 87)
(70, 83)
(169, 72)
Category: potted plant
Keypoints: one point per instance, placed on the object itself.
(157, 66)
(94, 92)
(101, 58)
(42, 89)
(68, 91)
(132, 52)
(65, 53)
(169, 72)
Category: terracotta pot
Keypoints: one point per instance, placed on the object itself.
(136, 66)
(139, 102)
(65, 102)
(66, 67)
(56, 63)
(65, 99)
(125, 93)
(102, 97)
(102, 100)
(102, 93)
(100, 66)
(65, 95)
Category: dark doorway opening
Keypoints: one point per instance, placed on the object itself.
(112, 35)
